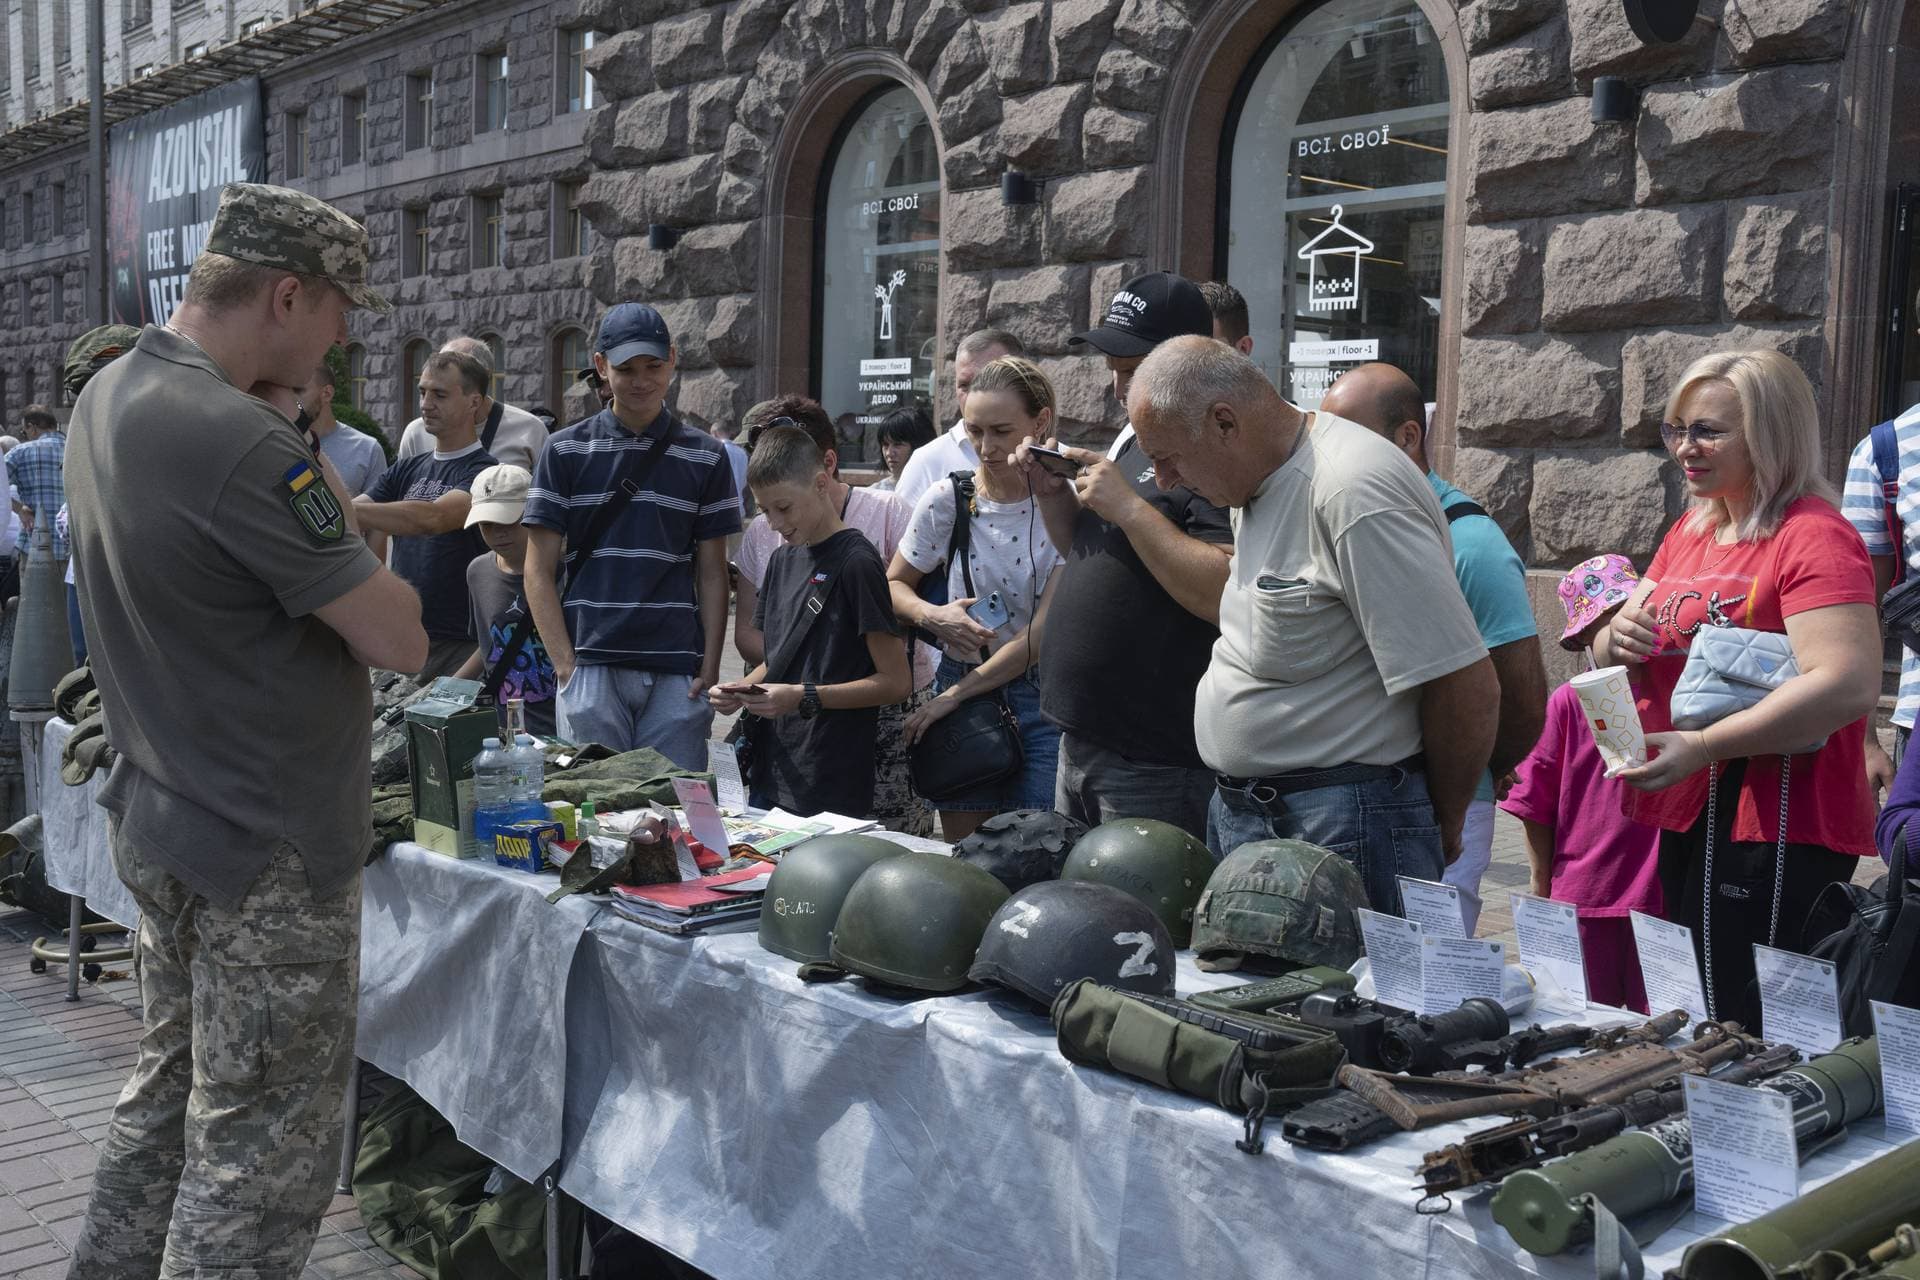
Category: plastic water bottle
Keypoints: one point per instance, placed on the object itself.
(529, 775)
(492, 794)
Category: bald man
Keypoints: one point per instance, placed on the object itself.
(1385, 400)
(1349, 701)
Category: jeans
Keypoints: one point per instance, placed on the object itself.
(1096, 785)
(1032, 787)
(1383, 826)
(1476, 853)
(75, 628)
(626, 708)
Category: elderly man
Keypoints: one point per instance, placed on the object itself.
(1350, 701)
(423, 502)
(509, 434)
(232, 611)
(1387, 402)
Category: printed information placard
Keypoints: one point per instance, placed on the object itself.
(1745, 1159)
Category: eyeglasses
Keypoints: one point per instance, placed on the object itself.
(1673, 435)
(753, 436)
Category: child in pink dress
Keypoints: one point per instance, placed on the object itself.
(1583, 849)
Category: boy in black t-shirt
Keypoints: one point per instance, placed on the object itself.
(834, 653)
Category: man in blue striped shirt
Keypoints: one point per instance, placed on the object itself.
(1864, 504)
(636, 628)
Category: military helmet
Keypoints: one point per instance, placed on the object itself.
(1286, 900)
(915, 921)
(1049, 935)
(806, 890)
(1023, 847)
(1154, 861)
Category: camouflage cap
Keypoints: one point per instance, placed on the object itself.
(93, 349)
(280, 227)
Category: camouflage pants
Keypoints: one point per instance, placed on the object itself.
(222, 1152)
(894, 802)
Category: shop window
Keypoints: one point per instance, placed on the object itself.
(1336, 164)
(413, 361)
(357, 376)
(878, 268)
(571, 357)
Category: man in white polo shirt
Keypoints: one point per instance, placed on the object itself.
(1350, 701)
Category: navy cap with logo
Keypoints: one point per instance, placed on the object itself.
(1146, 312)
(633, 329)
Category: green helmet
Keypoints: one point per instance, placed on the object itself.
(1287, 900)
(915, 921)
(806, 890)
(1154, 861)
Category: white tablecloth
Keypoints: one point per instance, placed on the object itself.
(75, 831)
(758, 1125)
(464, 971)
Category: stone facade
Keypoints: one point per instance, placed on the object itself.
(528, 301)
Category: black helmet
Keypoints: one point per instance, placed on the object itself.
(805, 892)
(1023, 847)
(1154, 861)
(915, 921)
(1049, 935)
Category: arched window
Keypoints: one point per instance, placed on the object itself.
(357, 376)
(1336, 164)
(497, 347)
(413, 361)
(571, 356)
(877, 268)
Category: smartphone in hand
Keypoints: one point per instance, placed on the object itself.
(1053, 461)
(990, 613)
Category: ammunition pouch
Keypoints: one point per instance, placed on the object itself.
(1292, 1062)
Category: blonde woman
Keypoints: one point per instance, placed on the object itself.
(1009, 556)
(1762, 547)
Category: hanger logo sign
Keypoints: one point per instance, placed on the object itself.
(1333, 266)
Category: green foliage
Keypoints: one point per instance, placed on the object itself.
(343, 407)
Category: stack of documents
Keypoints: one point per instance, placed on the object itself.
(695, 906)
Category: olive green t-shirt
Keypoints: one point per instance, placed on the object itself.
(205, 539)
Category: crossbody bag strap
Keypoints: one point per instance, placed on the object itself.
(517, 636)
(628, 479)
(810, 610)
(492, 428)
(960, 541)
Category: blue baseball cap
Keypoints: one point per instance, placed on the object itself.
(633, 329)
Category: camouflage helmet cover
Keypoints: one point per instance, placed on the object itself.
(1286, 900)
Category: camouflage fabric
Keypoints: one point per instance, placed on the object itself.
(280, 227)
(223, 1148)
(94, 350)
(895, 803)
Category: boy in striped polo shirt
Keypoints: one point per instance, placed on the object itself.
(635, 628)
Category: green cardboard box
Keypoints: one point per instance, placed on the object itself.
(444, 733)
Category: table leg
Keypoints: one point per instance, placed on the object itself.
(550, 1182)
(350, 1139)
(73, 946)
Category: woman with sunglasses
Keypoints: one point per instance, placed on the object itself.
(1764, 547)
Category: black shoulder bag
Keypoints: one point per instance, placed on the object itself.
(747, 739)
(628, 479)
(1870, 935)
(977, 746)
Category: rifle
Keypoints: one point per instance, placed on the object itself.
(1492, 1154)
(1373, 1103)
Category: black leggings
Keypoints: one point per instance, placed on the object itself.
(1742, 896)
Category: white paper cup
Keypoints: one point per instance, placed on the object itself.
(1607, 699)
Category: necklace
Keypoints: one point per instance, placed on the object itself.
(1709, 558)
(177, 331)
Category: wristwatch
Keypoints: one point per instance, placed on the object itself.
(809, 700)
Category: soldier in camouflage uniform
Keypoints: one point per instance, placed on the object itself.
(232, 609)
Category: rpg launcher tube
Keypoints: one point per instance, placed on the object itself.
(1544, 1209)
(1846, 1217)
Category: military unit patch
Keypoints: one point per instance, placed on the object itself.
(314, 503)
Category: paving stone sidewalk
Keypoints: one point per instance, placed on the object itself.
(61, 1067)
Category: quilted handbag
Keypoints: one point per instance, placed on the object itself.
(1730, 669)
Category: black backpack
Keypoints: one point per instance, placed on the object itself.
(1870, 936)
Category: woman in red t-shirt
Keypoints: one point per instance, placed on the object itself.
(1765, 548)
